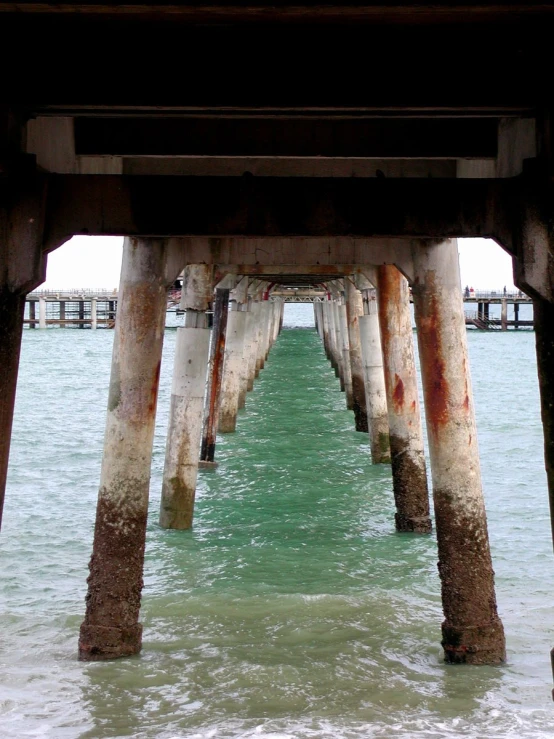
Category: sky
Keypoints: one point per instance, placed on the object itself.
(95, 262)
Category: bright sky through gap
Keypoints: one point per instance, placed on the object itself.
(95, 262)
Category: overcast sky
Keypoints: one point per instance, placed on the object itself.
(95, 262)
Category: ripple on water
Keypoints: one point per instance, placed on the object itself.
(292, 609)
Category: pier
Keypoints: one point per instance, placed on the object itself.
(335, 173)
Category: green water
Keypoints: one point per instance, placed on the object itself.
(293, 609)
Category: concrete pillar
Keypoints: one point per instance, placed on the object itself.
(81, 313)
(543, 316)
(327, 330)
(246, 349)
(472, 631)
(111, 628)
(42, 312)
(409, 474)
(374, 380)
(32, 313)
(94, 313)
(184, 430)
(262, 322)
(504, 315)
(12, 307)
(62, 312)
(215, 375)
(232, 369)
(355, 309)
(248, 354)
(345, 347)
(254, 343)
(266, 334)
(516, 315)
(337, 343)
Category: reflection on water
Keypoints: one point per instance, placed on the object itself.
(292, 609)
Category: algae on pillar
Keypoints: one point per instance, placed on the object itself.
(409, 474)
(111, 627)
(472, 631)
(187, 398)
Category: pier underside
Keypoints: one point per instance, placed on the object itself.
(339, 148)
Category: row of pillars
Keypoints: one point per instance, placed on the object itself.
(366, 328)
(62, 313)
(211, 379)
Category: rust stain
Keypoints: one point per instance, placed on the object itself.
(398, 393)
(433, 362)
(154, 390)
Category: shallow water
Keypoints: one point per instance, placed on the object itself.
(293, 609)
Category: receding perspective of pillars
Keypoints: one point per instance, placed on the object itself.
(215, 374)
(355, 309)
(409, 474)
(232, 367)
(374, 380)
(472, 631)
(111, 628)
(184, 429)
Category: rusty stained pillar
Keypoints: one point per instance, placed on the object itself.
(472, 631)
(337, 341)
(111, 627)
(374, 380)
(326, 312)
(354, 310)
(409, 474)
(215, 374)
(254, 342)
(247, 349)
(345, 351)
(184, 429)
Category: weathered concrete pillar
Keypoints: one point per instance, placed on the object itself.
(32, 314)
(42, 312)
(504, 315)
(232, 369)
(355, 309)
(337, 343)
(262, 323)
(345, 347)
(81, 314)
(254, 343)
(266, 335)
(327, 330)
(516, 315)
(249, 349)
(111, 628)
(62, 312)
(215, 375)
(472, 631)
(184, 430)
(409, 474)
(94, 313)
(374, 381)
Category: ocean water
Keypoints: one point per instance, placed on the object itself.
(292, 610)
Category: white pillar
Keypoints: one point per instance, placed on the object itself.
(42, 312)
(232, 369)
(374, 379)
(94, 313)
(184, 431)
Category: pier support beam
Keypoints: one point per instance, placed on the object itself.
(215, 374)
(409, 474)
(184, 430)
(374, 379)
(345, 350)
(111, 628)
(232, 366)
(472, 631)
(354, 310)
